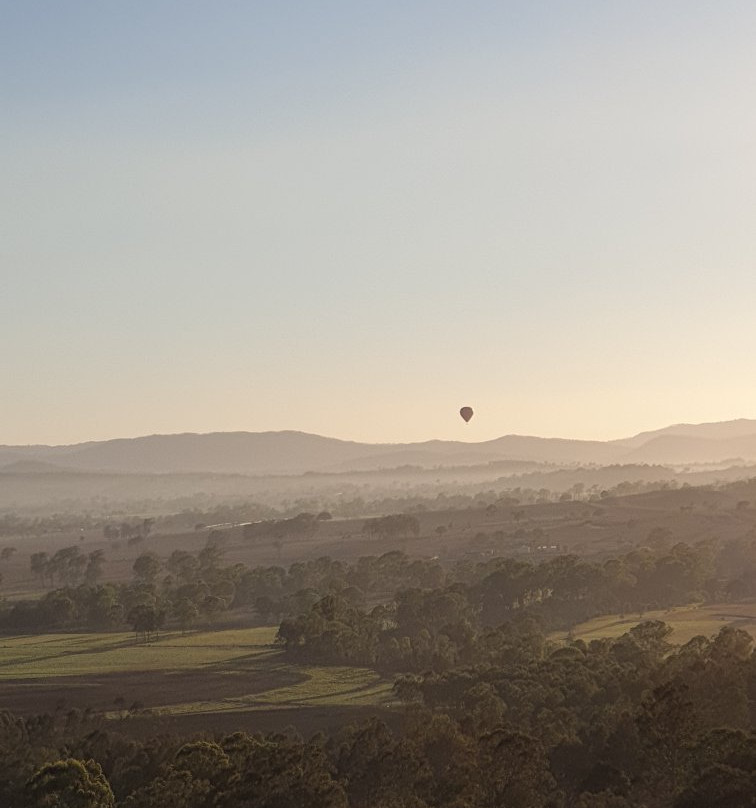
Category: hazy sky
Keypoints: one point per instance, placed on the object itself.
(354, 217)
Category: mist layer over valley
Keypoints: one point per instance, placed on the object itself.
(164, 472)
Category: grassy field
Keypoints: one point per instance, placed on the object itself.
(236, 670)
(686, 622)
(53, 655)
(321, 687)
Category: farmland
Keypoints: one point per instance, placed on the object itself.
(177, 676)
(233, 672)
(686, 622)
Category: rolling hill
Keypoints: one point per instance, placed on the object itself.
(290, 452)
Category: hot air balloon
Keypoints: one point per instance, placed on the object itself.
(466, 413)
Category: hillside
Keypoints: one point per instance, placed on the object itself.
(289, 452)
(719, 430)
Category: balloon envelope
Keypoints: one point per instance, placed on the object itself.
(466, 413)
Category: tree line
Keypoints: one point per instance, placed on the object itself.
(186, 589)
(470, 618)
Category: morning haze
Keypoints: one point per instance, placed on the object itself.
(377, 420)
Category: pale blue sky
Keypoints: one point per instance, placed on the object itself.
(352, 218)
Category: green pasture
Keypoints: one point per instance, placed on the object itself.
(340, 686)
(262, 677)
(686, 622)
(52, 655)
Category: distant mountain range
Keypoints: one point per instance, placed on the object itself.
(264, 453)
